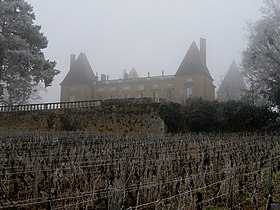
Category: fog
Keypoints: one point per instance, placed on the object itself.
(149, 35)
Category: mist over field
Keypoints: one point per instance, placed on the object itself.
(163, 104)
(150, 36)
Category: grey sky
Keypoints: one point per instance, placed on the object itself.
(149, 35)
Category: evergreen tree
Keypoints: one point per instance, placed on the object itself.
(23, 66)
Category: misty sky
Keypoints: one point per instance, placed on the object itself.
(149, 35)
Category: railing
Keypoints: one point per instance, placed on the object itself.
(139, 79)
(50, 106)
(78, 104)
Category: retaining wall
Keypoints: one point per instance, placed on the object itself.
(114, 116)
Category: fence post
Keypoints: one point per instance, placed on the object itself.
(231, 187)
(199, 205)
(126, 177)
(158, 204)
(116, 200)
(49, 204)
(270, 175)
(126, 173)
(254, 202)
(35, 184)
(269, 198)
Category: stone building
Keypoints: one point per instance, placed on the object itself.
(233, 86)
(191, 79)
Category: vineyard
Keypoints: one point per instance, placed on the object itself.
(67, 170)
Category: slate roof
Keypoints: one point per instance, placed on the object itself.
(191, 64)
(232, 85)
(80, 72)
(233, 77)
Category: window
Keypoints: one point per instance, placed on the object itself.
(141, 87)
(72, 98)
(189, 79)
(140, 95)
(73, 89)
(101, 89)
(189, 91)
(113, 88)
(155, 86)
(168, 95)
(155, 96)
(126, 87)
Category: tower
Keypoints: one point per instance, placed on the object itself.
(233, 86)
(78, 83)
(193, 74)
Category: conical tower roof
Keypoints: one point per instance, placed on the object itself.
(233, 84)
(233, 77)
(191, 64)
(80, 72)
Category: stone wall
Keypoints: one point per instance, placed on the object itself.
(116, 117)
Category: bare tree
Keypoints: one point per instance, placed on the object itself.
(261, 58)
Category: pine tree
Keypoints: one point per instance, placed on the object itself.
(23, 66)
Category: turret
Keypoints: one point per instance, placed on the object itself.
(78, 83)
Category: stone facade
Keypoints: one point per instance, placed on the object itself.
(191, 79)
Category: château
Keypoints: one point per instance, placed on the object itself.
(192, 79)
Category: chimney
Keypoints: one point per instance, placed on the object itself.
(72, 59)
(203, 51)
